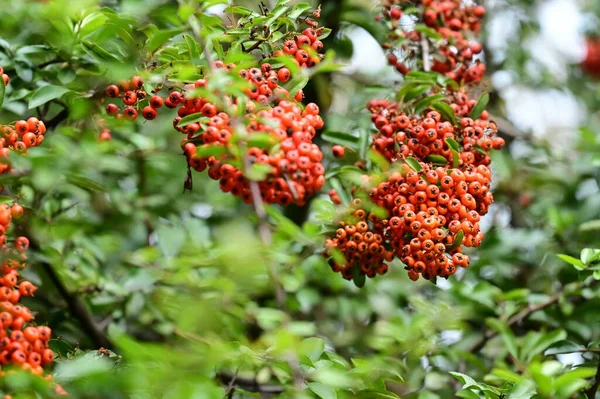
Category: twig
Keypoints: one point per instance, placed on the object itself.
(593, 389)
(524, 314)
(425, 51)
(52, 61)
(506, 127)
(250, 384)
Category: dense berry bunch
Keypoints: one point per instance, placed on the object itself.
(306, 49)
(451, 50)
(401, 135)
(18, 137)
(294, 164)
(21, 343)
(360, 241)
(135, 100)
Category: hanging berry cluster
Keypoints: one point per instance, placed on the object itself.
(431, 197)
(439, 30)
(293, 162)
(286, 155)
(21, 343)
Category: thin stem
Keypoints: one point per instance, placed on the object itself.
(425, 51)
(593, 389)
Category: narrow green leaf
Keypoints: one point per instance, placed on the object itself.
(576, 263)
(296, 84)
(414, 164)
(457, 241)
(321, 390)
(98, 52)
(480, 106)
(341, 138)
(84, 182)
(436, 160)
(358, 276)
(197, 117)
(452, 144)
(562, 347)
(192, 48)
(5, 199)
(424, 103)
(446, 111)
(46, 93)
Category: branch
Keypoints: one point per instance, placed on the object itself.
(593, 389)
(78, 309)
(524, 314)
(506, 127)
(248, 384)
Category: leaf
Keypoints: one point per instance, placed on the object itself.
(453, 145)
(321, 390)
(5, 199)
(541, 343)
(193, 48)
(341, 138)
(436, 160)
(193, 118)
(480, 106)
(576, 263)
(296, 84)
(161, 37)
(98, 52)
(505, 333)
(427, 31)
(463, 378)
(211, 151)
(446, 111)
(238, 10)
(2, 91)
(84, 182)
(562, 347)
(46, 93)
(414, 164)
(298, 10)
(588, 255)
(523, 390)
(358, 276)
(313, 348)
(377, 393)
(457, 241)
(424, 103)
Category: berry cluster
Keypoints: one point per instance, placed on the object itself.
(453, 53)
(135, 100)
(293, 161)
(18, 137)
(21, 343)
(434, 195)
(360, 244)
(306, 49)
(401, 135)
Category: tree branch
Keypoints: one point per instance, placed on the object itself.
(248, 384)
(524, 314)
(590, 393)
(425, 51)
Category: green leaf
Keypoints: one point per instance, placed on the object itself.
(377, 394)
(161, 37)
(298, 10)
(313, 348)
(457, 241)
(436, 160)
(321, 390)
(358, 276)
(211, 151)
(427, 31)
(5, 199)
(588, 255)
(2, 91)
(84, 182)
(238, 10)
(341, 138)
(414, 164)
(562, 347)
(446, 111)
(453, 145)
(506, 334)
(98, 52)
(296, 84)
(480, 106)
(576, 263)
(192, 48)
(46, 93)
(424, 103)
(193, 118)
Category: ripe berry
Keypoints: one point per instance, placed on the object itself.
(129, 98)
(338, 151)
(130, 113)
(149, 113)
(283, 75)
(112, 91)
(112, 109)
(156, 102)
